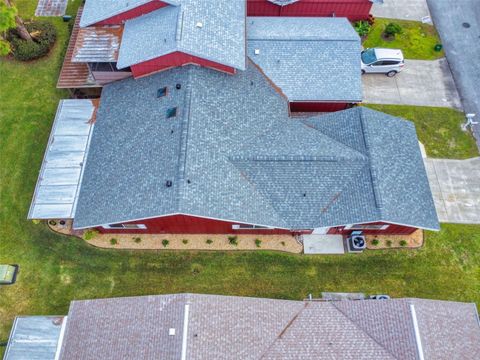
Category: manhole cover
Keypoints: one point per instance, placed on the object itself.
(466, 25)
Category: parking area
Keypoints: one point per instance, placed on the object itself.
(421, 83)
(405, 9)
(455, 187)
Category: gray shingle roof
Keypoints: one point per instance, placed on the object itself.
(233, 153)
(219, 38)
(99, 10)
(221, 327)
(309, 59)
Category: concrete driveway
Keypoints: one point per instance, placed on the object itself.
(401, 9)
(421, 83)
(458, 23)
(455, 186)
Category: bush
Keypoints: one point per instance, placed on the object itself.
(113, 241)
(362, 28)
(258, 242)
(403, 243)
(185, 241)
(375, 242)
(233, 240)
(137, 240)
(165, 242)
(392, 29)
(44, 35)
(196, 268)
(209, 241)
(90, 234)
(389, 243)
(282, 242)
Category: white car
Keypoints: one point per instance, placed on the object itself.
(382, 61)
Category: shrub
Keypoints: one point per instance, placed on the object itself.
(137, 240)
(209, 241)
(403, 243)
(90, 234)
(165, 242)
(389, 243)
(258, 242)
(392, 29)
(44, 35)
(362, 28)
(36, 221)
(113, 241)
(185, 241)
(52, 222)
(233, 240)
(283, 243)
(196, 268)
(375, 242)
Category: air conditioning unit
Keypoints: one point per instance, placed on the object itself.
(356, 242)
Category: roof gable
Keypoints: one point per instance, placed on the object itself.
(195, 27)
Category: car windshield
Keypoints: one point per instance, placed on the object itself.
(368, 56)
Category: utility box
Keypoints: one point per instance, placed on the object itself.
(8, 274)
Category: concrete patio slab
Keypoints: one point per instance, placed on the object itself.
(323, 244)
(421, 83)
(455, 186)
(401, 9)
(51, 8)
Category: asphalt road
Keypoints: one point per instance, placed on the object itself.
(458, 23)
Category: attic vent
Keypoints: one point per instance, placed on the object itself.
(172, 112)
(199, 25)
(161, 92)
(169, 183)
(257, 51)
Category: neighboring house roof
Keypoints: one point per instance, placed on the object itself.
(60, 175)
(212, 30)
(214, 327)
(99, 10)
(233, 153)
(309, 59)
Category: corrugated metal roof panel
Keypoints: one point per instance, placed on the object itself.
(34, 338)
(59, 179)
(98, 44)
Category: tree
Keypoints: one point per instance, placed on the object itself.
(7, 21)
(22, 30)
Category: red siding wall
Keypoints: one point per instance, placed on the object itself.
(391, 230)
(317, 106)
(352, 9)
(173, 60)
(133, 13)
(184, 224)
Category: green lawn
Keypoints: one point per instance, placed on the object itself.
(417, 40)
(438, 129)
(56, 269)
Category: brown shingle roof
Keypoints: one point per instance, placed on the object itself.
(220, 327)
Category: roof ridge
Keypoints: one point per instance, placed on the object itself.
(183, 153)
(362, 329)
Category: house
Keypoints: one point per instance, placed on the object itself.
(312, 61)
(195, 150)
(354, 10)
(192, 326)
(113, 40)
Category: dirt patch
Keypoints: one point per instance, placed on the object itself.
(412, 241)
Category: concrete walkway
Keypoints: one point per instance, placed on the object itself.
(323, 244)
(421, 83)
(458, 23)
(455, 187)
(401, 9)
(51, 7)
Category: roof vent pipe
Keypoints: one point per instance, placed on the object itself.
(199, 25)
(257, 51)
(168, 183)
